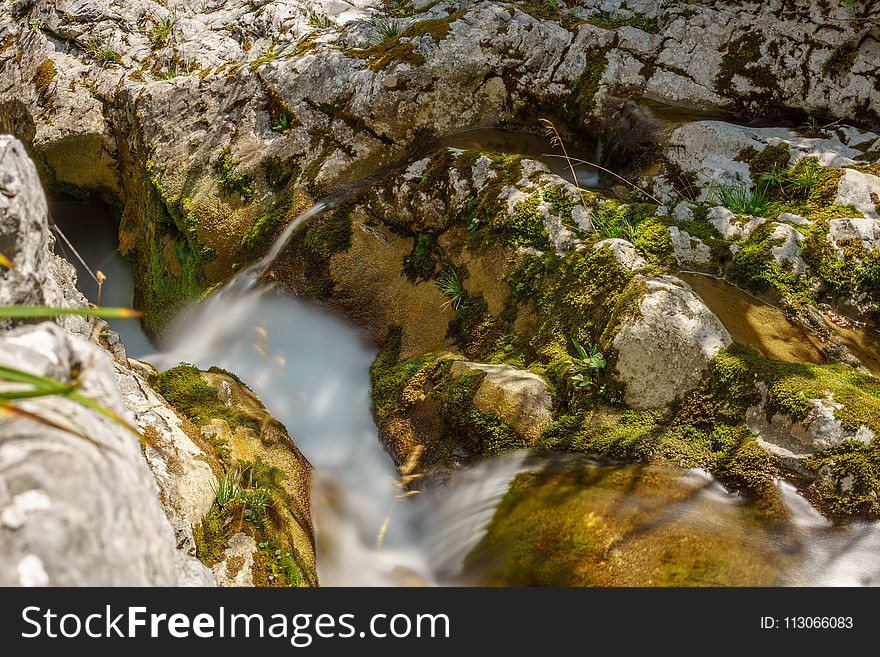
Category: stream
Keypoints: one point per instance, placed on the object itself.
(311, 369)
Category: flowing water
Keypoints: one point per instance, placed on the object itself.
(312, 371)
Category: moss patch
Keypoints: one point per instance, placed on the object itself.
(399, 48)
(584, 525)
(184, 388)
(43, 78)
(230, 181)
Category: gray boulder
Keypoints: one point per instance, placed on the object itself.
(78, 504)
(665, 351)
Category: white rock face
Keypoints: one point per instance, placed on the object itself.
(795, 439)
(730, 225)
(75, 506)
(790, 248)
(520, 398)
(861, 190)
(714, 148)
(689, 251)
(78, 504)
(860, 228)
(236, 569)
(664, 353)
(186, 482)
(623, 251)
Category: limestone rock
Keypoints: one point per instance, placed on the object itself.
(861, 190)
(238, 559)
(789, 250)
(520, 398)
(665, 352)
(185, 478)
(78, 505)
(860, 228)
(792, 439)
(689, 251)
(730, 225)
(624, 252)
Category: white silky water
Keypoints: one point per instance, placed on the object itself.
(311, 369)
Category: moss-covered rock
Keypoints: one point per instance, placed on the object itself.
(264, 481)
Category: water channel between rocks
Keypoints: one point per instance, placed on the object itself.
(312, 371)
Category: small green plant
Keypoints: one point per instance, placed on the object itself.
(256, 502)
(282, 124)
(168, 74)
(740, 199)
(452, 288)
(586, 366)
(775, 178)
(811, 127)
(320, 20)
(228, 489)
(36, 24)
(102, 54)
(384, 29)
(162, 29)
(802, 179)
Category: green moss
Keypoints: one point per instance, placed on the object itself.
(754, 267)
(324, 237)
(562, 204)
(652, 238)
(473, 329)
(278, 172)
(43, 78)
(230, 181)
(171, 257)
(771, 158)
(741, 58)
(212, 535)
(461, 422)
(852, 486)
(585, 296)
(397, 386)
(606, 21)
(399, 49)
(841, 60)
(184, 388)
(267, 224)
(583, 525)
(422, 262)
(585, 88)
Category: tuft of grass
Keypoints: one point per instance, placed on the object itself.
(321, 21)
(228, 488)
(740, 199)
(452, 288)
(384, 29)
(102, 54)
(162, 29)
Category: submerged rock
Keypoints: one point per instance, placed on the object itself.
(589, 525)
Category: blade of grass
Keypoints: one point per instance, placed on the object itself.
(45, 311)
(48, 386)
(6, 262)
(570, 159)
